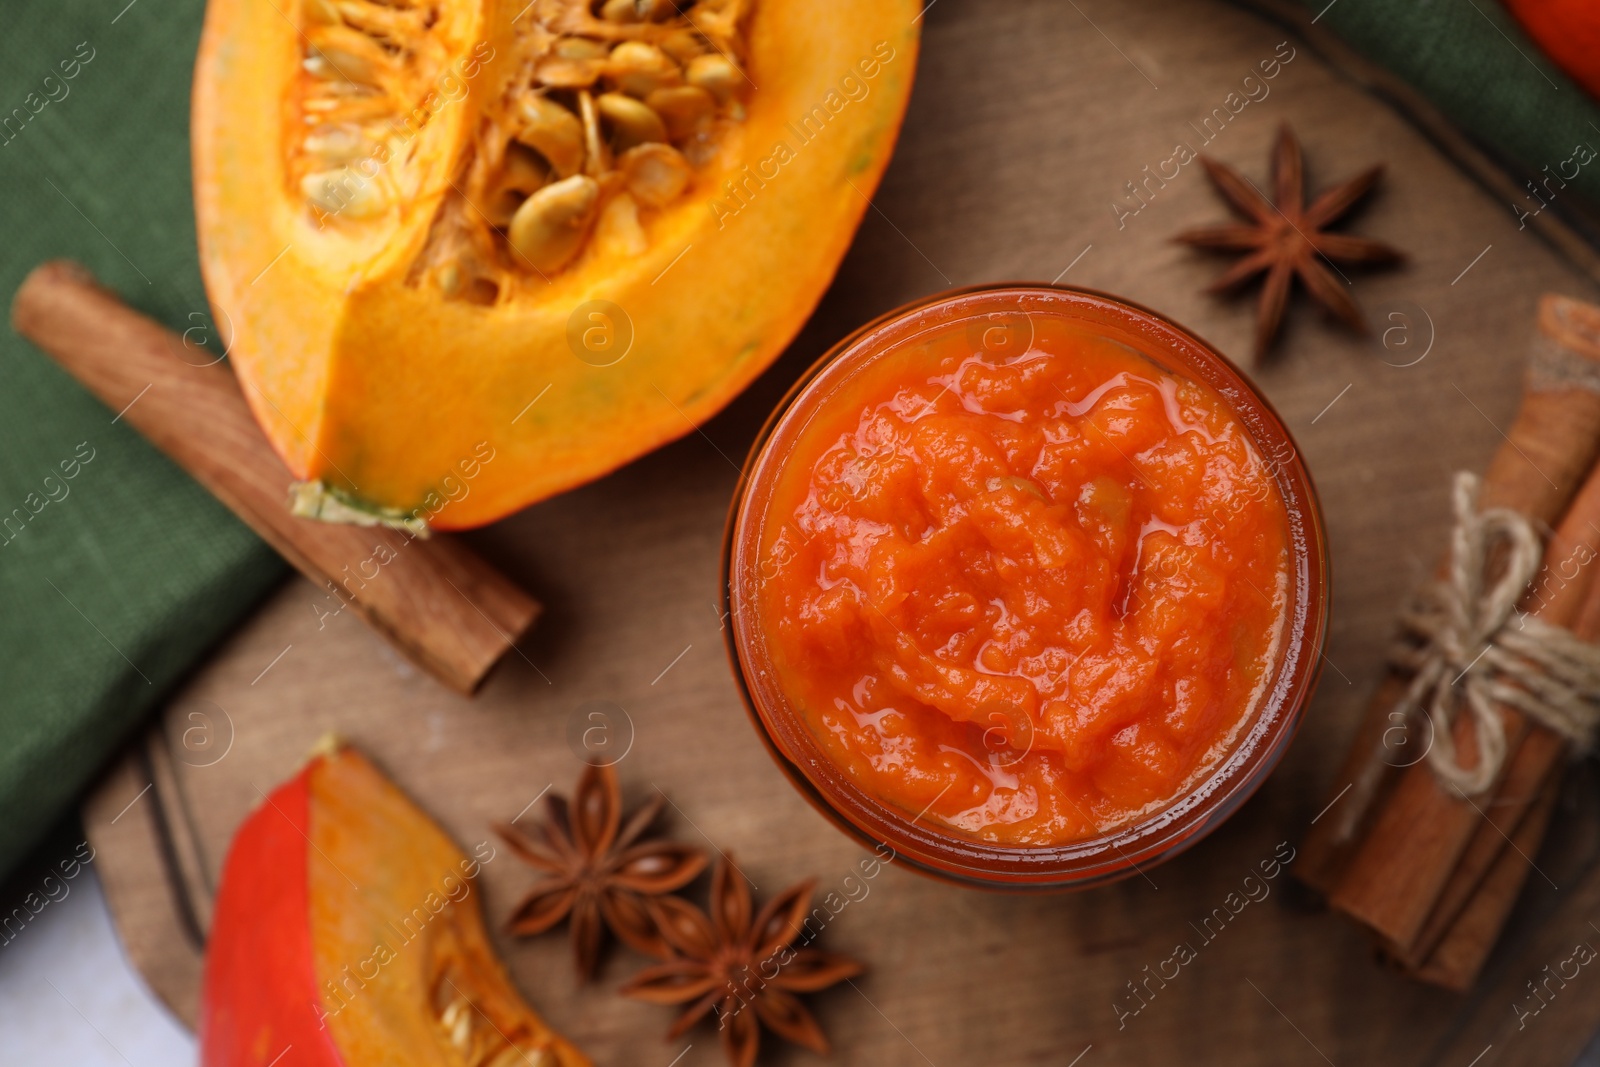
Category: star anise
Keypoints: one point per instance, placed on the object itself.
(600, 872)
(746, 970)
(1288, 239)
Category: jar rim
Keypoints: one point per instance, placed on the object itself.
(1181, 821)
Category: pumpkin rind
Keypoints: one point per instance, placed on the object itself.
(259, 993)
(380, 388)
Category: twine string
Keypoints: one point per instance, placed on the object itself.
(1472, 651)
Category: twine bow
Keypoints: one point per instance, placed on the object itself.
(1477, 651)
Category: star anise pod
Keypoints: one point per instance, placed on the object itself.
(599, 872)
(745, 969)
(1289, 239)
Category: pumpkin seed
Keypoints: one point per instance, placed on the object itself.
(343, 192)
(719, 25)
(457, 1022)
(338, 87)
(717, 75)
(444, 989)
(337, 143)
(558, 72)
(351, 55)
(639, 68)
(331, 63)
(632, 121)
(347, 109)
(657, 174)
(553, 131)
(378, 20)
(618, 231)
(682, 45)
(580, 48)
(549, 228)
(597, 159)
(655, 10)
(684, 108)
(449, 279)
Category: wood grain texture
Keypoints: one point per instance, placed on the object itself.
(1028, 120)
(443, 606)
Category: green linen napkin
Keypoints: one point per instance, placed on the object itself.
(116, 569)
(1473, 61)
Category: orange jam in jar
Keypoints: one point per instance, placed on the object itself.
(1017, 576)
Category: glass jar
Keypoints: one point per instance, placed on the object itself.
(999, 319)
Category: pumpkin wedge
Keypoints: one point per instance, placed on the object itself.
(470, 253)
(346, 929)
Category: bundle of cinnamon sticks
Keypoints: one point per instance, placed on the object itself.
(1431, 871)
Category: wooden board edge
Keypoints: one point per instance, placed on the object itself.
(126, 819)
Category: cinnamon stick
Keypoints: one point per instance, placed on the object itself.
(438, 602)
(1401, 868)
(1527, 773)
(1461, 954)
(1551, 445)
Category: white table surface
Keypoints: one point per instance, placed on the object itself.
(68, 995)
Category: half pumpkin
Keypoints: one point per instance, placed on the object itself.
(346, 929)
(471, 253)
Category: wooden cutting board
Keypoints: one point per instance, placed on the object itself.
(1029, 120)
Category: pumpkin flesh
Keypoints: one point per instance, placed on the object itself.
(394, 342)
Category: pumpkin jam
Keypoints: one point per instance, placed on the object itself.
(1028, 598)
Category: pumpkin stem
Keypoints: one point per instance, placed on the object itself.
(317, 499)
